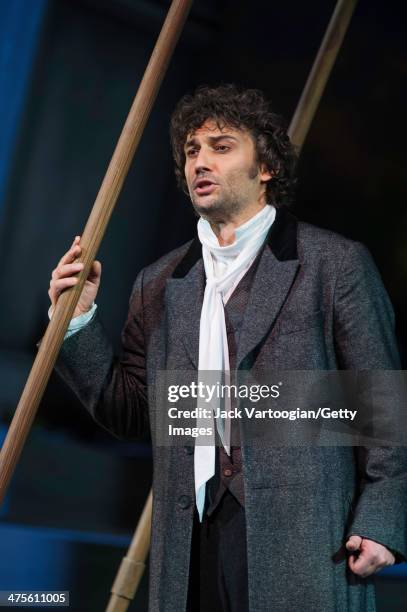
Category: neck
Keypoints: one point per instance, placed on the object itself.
(225, 230)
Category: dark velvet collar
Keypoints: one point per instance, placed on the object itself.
(281, 239)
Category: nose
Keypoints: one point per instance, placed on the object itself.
(202, 162)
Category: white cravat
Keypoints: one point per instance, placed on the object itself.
(224, 267)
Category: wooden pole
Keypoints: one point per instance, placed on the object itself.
(320, 71)
(133, 564)
(91, 239)
(123, 590)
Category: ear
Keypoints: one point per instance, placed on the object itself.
(265, 174)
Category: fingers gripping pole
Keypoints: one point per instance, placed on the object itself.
(92, 236)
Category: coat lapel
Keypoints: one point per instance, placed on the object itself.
(184, 297)
(270, 287)
(275, 274)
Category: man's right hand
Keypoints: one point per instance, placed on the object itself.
(65, 276)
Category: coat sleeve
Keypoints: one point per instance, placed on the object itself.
(365, 340)
(112, 389)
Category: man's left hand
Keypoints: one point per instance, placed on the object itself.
(371, 556)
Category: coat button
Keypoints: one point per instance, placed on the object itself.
(227, 472)
(184, 501)
(189, 450)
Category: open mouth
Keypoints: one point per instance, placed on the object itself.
(204, 187)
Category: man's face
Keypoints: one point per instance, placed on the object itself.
(221, 171)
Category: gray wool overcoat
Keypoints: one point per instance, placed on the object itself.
(316, 302)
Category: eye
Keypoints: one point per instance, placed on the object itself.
(191, 152)
(222, 148)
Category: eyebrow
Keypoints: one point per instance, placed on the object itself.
(212, 139)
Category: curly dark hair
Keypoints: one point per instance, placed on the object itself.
(245, 109)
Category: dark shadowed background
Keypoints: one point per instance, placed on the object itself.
(69, 70)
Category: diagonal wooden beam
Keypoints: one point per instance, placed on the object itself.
(91, 239)
(132, 566)
(320, 71)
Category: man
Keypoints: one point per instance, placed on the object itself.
(246, 528)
